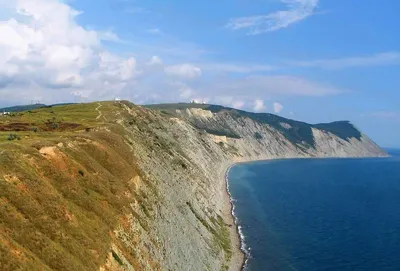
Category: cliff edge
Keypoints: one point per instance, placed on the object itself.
(115, 186)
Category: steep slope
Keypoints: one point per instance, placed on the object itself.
(339, 138)
(114, 186)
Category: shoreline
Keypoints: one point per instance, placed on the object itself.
(245, 254)
(240, 255)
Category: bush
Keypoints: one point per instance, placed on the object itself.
(13, 137)
(117, 258)
(54, 125)
(81, 172)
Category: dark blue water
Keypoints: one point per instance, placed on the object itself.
(328, 214)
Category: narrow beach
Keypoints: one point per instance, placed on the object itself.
(238, 256)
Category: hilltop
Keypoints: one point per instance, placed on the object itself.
(116, 186)
(295, 131)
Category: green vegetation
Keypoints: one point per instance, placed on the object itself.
(50, 122)
(342, 129)
(13, 137)
(29, 107)
(117, 258)
(20, 108)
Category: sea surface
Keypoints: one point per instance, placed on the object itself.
(319, 214)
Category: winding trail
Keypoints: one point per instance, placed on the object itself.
(98, 110)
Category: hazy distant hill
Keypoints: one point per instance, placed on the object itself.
(20, 108)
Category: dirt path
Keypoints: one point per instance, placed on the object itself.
(98, 110)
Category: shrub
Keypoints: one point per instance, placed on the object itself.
(13, 137)
(81, 172)
(54, 125)
(117, 258)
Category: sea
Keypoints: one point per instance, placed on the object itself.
(319, 214)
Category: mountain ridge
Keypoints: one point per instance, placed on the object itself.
(344, 129)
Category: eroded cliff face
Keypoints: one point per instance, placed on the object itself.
(142, 190)
(193, 222)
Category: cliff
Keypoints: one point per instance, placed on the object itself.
(115, 186)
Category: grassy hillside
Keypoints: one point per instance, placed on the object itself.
(295, 131)
(66, 182)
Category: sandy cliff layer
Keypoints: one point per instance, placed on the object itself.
(158, 178)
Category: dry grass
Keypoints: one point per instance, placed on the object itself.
(60, 205)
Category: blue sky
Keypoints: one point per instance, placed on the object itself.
(312, 60)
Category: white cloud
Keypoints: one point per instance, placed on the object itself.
(46, 51)
(186, 71)
(389, 58)
(155, 60)
(259, 105)
(277, 107)
(109, 36)
(297, 10)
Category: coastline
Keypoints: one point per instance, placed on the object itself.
(245, 254)
(239, 257)
(239, 253)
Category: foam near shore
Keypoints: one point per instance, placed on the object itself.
(241, 252)
(243, 246)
